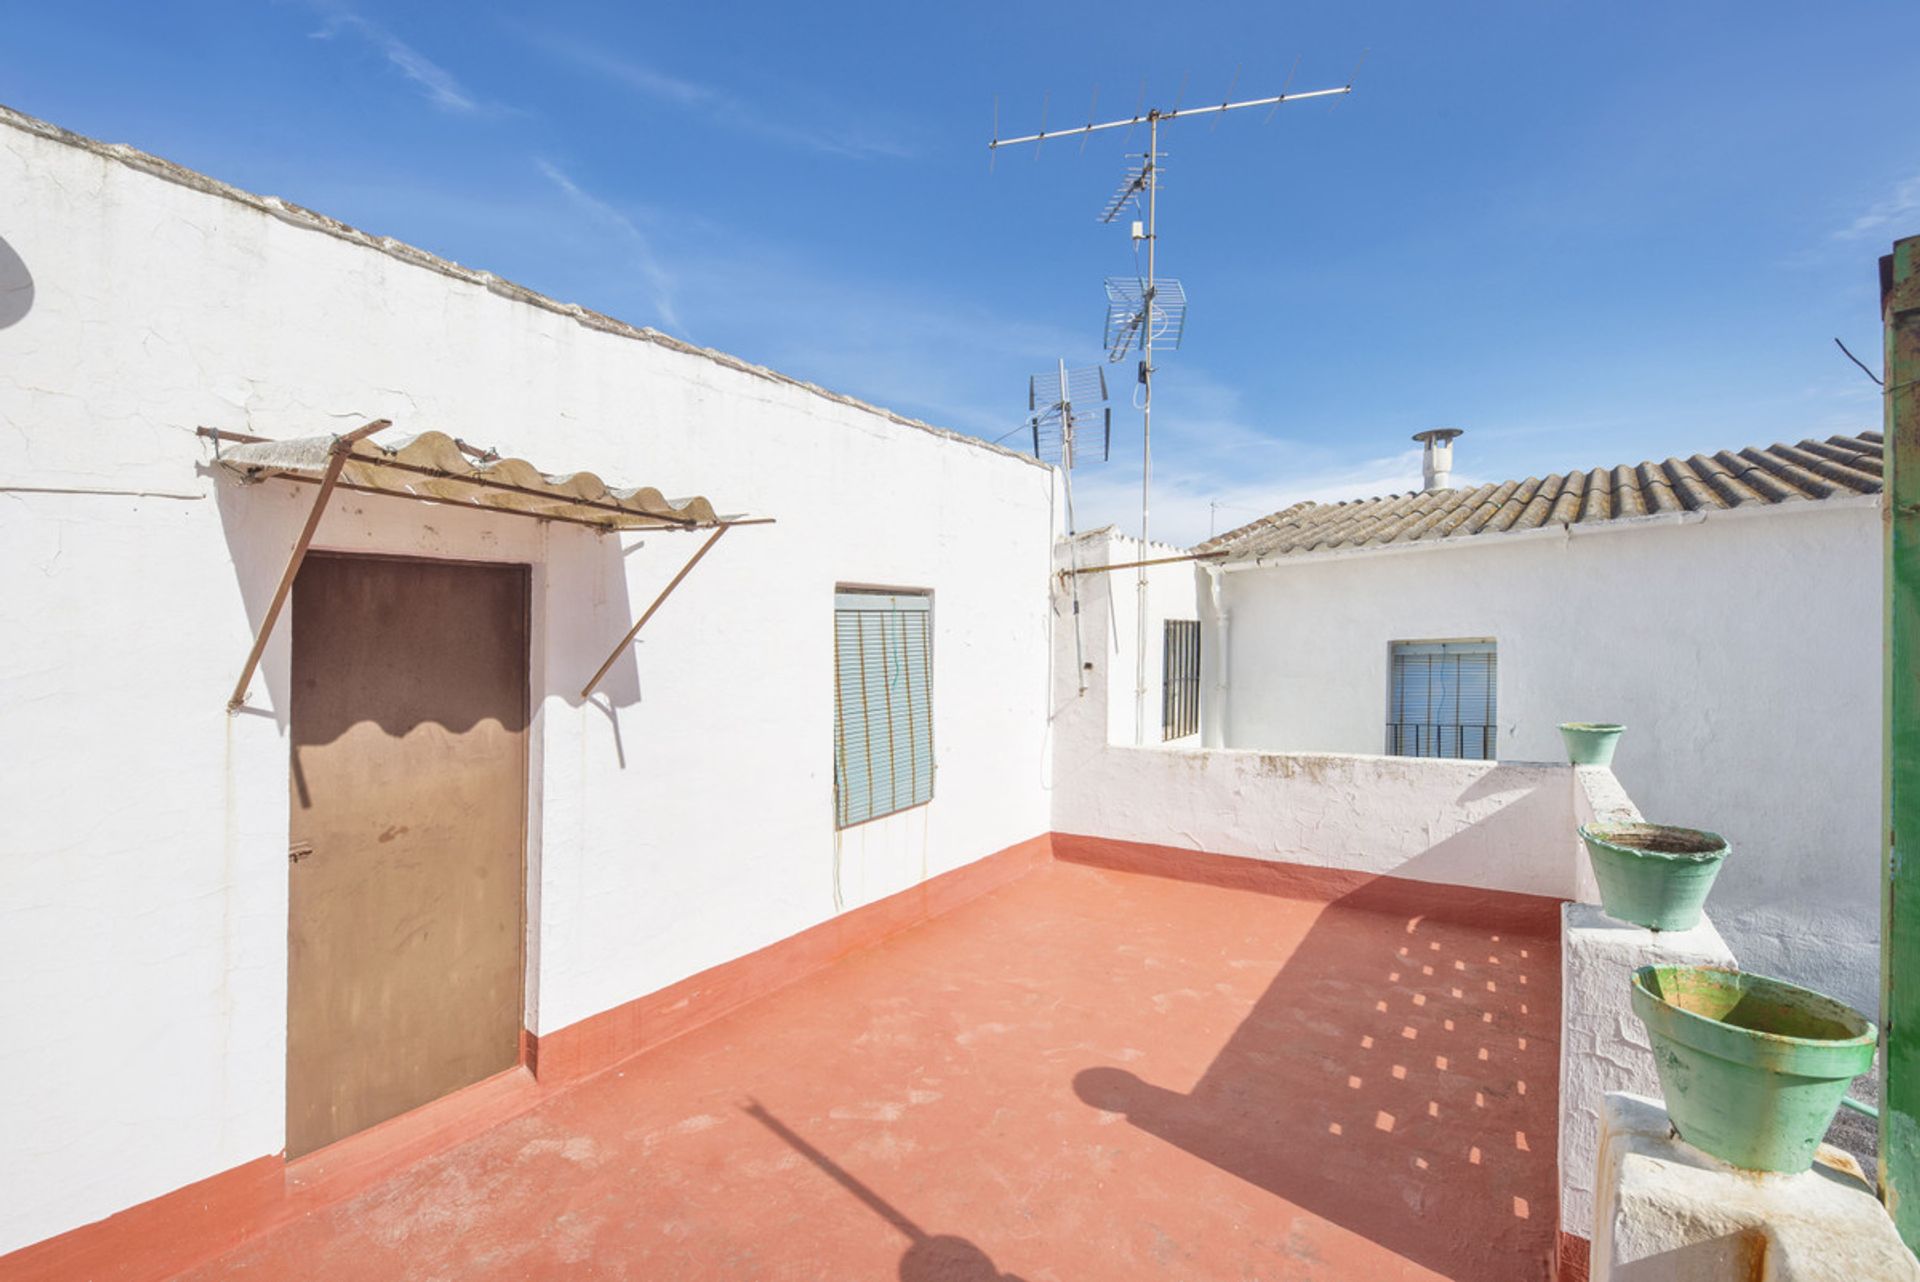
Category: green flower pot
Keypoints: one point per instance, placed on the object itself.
(1653, 875)
(1590, 743)
(1753, 1069)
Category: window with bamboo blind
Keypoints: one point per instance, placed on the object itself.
(883, 703)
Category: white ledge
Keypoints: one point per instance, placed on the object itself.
(1603, 1046)
(1670, 1213)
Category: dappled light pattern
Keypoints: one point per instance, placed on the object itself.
(1398, 1078)
(1083, 1075)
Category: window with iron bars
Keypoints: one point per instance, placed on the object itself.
(1180, 680)
(1443, 700)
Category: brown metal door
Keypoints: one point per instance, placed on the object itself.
(409, 731)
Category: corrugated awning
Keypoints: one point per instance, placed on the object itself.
(436, 467)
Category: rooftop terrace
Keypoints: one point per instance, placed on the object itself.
(1116, 999)
(1086, 1073)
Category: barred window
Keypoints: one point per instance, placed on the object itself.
(1180, 679)
(1442, 702)
(883, 704)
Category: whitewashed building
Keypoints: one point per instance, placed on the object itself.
(682, 815)
(426, 699)
(1726, 609)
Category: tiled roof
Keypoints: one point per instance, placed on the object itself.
(1838, 467)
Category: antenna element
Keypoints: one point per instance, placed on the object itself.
(1148, 310)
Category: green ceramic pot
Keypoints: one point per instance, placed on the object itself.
(1590, 743)
(1753, 1069)
(1653, 875)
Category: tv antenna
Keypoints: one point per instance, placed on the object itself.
(1149, 314)
(1066, 407)
(1150, 311)
(1063, 404)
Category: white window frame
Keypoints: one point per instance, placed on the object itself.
(1453, 737)
(883, 746)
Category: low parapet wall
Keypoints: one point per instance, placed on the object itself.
(1635, 1202)
(1603, 1048)
(1490, 826)
(1493, 825)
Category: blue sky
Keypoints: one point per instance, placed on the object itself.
(1586, 233)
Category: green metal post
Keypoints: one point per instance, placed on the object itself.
(1900, 896)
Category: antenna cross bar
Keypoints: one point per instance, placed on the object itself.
(1175, 114)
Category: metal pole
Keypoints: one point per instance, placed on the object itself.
(665, 592)
(336, 460)
(1152, 119)
(1208, 557)
(1073, 551)
(1146, 434)
(1277, 99)
(1900, 894)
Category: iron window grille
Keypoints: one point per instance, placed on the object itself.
(883, 704)
(1443, 700)
(1180, 680)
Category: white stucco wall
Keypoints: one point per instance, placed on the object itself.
(1111, 640)
(1742, 651)
(1502, 826)
(679, 821)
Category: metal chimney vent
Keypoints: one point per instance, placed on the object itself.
(1436, 466)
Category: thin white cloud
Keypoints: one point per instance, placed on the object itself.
(724, 108)
(434, 81)
(1901, 206)
(645, 80)
(659, 283)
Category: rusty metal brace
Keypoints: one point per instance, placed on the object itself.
(336, 461)
(634, 631)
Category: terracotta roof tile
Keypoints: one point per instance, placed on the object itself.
(1838, 467)
(1597, 503)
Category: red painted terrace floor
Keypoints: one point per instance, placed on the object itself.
(1083, 1075)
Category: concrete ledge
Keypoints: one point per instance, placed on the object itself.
(1602, 799)
(1668, 1212)
(1597, 798)
(1603, 1047)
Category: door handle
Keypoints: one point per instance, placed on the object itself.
(299, 850)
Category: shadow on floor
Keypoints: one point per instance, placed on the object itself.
(1398, 1077)
(929, 1257)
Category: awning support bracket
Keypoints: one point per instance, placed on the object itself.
(337, 459)
(665, 592)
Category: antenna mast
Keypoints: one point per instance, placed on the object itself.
(1151, 315)
(1073, 535)
(1056, 419)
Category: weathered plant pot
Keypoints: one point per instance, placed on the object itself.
(1753, 1069)
(1653, 875)
(1590, 743)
